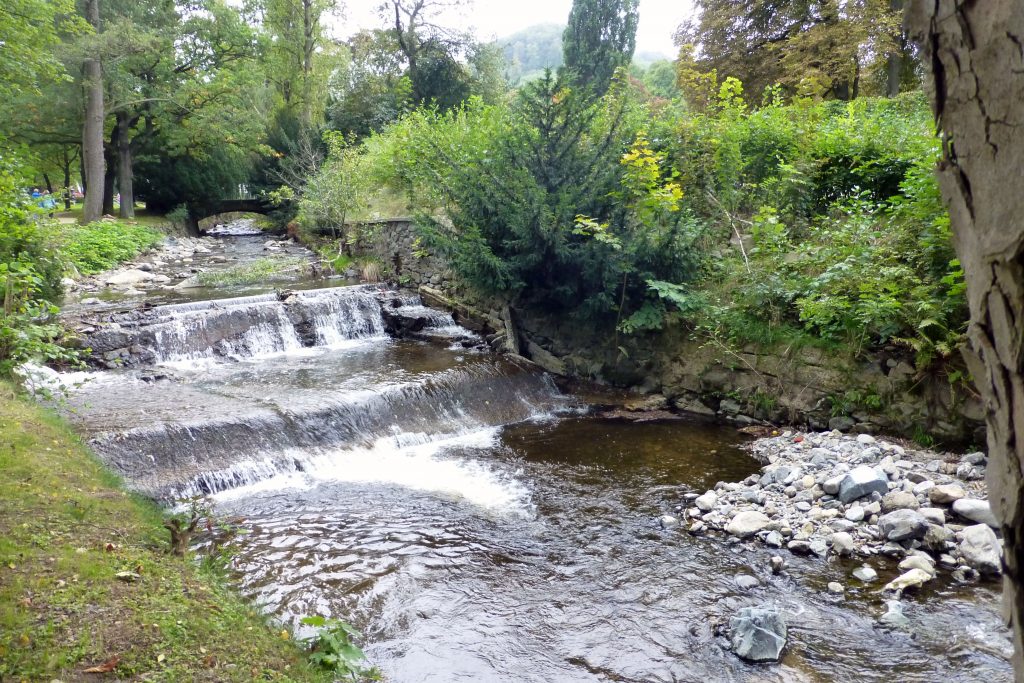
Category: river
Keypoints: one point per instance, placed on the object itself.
(474, 521)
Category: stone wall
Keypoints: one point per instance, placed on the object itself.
(804, 386)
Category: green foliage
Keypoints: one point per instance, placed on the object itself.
(333, 649)
(259, 270)
(29, 330)
(599, 39)
(102, 245)
(30, 31)
(29, 279)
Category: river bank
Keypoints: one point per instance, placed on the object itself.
(858, 498)
(86, 579)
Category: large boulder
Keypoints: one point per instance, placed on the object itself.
(747, 523)
(981, 549)
(862, 481)
(976, 510)
(902, 525)
(758, 634)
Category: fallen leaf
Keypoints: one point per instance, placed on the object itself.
(106, 667)
(160, 658)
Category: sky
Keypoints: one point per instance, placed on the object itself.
(491, 19)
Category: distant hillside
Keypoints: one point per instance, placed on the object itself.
(539, 47)
(532, 50)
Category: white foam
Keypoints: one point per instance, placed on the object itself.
(414, 461)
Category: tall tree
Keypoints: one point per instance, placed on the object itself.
(297, 44)
(432, 51)
(92, 130)
(976, 67)
(831, 47)
(600, 37)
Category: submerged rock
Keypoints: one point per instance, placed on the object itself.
(865, 573)
(894, 615)
(758, 634)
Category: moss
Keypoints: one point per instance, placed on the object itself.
(67, 528)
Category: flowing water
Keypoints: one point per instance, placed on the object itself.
(476, 523)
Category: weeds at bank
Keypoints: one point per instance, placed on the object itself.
(102, 245)
(251, 273)
(67, 531)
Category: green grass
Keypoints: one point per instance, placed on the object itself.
(251, 273)
(66, 529)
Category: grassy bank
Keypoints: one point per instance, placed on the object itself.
(66, 530)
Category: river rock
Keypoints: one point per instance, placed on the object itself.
(981, 549)
(831, 486)
(747, 523)
(836, 588)
(706, 502)
(773, 539)
(855, 514)
(936, 537)
(777, 564)
(976, 510)
(901, 525)
(918, 562)
(862, 481)
(842, 543)
(899, 500)
(913, 578)
(132, 276)
(758, 634)
(668, 522)
(934, 515)
(865, 573)
(944, 494)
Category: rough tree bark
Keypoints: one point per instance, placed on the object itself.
(92, 131)
(894, 60)
(973, 51)
(125, 172)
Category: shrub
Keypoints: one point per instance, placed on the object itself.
(102, 245)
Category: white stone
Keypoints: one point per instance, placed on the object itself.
(706, 502)
(976, 510)
(981, 549)
(747, 523)
(913, 578)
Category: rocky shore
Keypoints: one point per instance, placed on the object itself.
(859, 497)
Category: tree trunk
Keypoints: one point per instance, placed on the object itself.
(894, 60)
(308, 46)
(92, 131)
(66, 163)
(124, 166)
(973, 54)
(110, 174)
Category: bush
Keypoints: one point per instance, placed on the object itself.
(102, 245)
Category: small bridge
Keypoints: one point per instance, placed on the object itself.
(215, 208)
